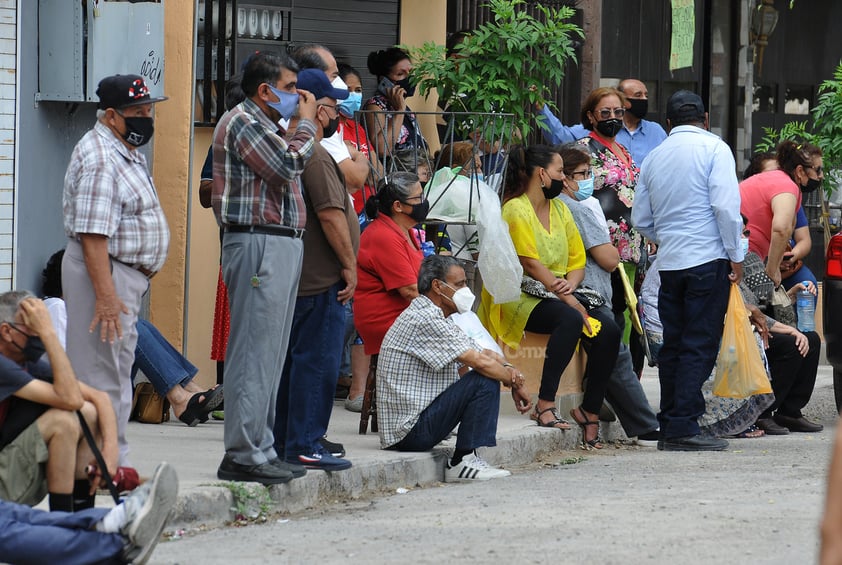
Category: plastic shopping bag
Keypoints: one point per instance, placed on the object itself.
(501, 271)
(739, 369)
(470, 324)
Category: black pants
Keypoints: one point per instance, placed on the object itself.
(564, 325)
(793, 376)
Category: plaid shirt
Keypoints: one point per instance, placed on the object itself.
(417, 363)
(255, 171)
(108, 191)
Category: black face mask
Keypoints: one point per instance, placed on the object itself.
(139, 130)
(812, 185)
(419, 211)
(34, 347)
(331, 127)
(610, 127)
(404, 83)
(639, 107)
(554, 189)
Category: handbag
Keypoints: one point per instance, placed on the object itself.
(740, 372)
(782, 308)
(587, 297)
(148, 406)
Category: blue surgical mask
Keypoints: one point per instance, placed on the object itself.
(286, 104)
(351, 104)
(585, 189)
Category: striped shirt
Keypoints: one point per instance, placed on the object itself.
(108, 191)
(417, 363)
(256, 172)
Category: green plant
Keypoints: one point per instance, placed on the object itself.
(252, 502)
(504, 66)
(824, 128)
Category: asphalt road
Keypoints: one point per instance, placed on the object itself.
(759, 502)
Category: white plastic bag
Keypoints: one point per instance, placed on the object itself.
(470, 324)
(453, 198)
(498, 262)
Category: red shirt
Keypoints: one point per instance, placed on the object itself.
(756, 194)
(354, 132)
(386, 262)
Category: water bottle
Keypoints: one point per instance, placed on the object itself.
(428, 248)
(806, 310)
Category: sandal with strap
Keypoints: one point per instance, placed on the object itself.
(557, 422)
(582, 420)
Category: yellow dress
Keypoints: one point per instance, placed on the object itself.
(560, 250)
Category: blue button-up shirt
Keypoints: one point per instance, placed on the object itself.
(687, 200)
(639, 142)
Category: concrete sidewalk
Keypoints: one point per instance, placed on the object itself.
(205, 500)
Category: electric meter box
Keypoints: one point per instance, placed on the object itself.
(80, 43)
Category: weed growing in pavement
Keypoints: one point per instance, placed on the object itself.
(252, 502)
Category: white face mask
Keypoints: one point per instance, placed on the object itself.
(463, 298)
(744, 245)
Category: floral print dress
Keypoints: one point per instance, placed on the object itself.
(615, 178)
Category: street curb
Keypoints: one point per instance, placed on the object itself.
(214, 505)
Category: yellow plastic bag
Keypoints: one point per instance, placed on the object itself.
(739, 369)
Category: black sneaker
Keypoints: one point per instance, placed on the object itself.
(265, 473)
(335, 449)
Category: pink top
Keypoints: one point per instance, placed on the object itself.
(756, 194)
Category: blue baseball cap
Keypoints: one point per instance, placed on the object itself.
(315, 81)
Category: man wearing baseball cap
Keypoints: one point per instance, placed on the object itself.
(118, 239)
(687, 201)
(327, 283)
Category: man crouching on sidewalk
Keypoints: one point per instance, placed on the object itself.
(420, 395)
(42, 447)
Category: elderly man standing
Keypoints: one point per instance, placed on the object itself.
(688, 202)
(420, 394)
(118, 241)
(328, 280)
(258, 202)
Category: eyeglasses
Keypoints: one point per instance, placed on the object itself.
(331, 106)
(819, 170)
(420, 198)
(605, 113)
(581, 175)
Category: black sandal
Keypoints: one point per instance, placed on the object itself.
(587, 445)
(557, 422)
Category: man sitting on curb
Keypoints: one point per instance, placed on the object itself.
(420, 395)
(42, 448)
(126, 533)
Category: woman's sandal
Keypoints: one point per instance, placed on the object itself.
(199, 410)
(557, 422)
(749, 433)
(587, 444)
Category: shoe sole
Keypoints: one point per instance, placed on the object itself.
(317, 467)
(247, 478)
(679, 447)
(499, 474)
(145, 531)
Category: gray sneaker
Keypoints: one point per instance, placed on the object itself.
(147, 509)
(354, 405)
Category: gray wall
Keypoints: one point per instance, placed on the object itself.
(47, 134)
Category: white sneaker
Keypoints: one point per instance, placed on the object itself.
(147, 510)
(472, 468)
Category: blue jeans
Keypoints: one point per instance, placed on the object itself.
(311, 370)
(691, 304)
(158, 359)
(33, 536)
(473, 402)
(348, 340)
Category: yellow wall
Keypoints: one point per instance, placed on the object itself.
(422, 21)
(197, 270)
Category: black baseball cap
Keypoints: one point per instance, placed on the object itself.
(685, 105)
(122, 91)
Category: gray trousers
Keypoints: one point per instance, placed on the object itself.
(102, 365)
(261, 273)
(625, 394)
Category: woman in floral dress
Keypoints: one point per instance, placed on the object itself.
(615, 176)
